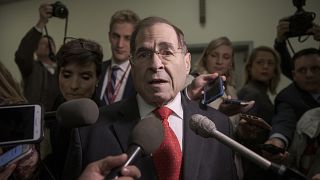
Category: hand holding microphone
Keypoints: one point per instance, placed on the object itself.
(204, 127)
(146, 138)
(97, 170)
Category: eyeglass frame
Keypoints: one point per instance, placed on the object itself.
(151, 53)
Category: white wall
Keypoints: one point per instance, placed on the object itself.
(244, 20)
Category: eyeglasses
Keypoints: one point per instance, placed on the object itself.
(87, 45)
(163, 54)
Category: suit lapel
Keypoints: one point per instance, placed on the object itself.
(192, 144)
(128, 118)
(99, 92)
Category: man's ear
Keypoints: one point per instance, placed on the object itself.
(187, 60)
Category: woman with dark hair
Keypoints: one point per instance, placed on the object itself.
(79, 67)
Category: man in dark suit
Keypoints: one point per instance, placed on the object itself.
(160, 64)
(293, 101)
(121, 26)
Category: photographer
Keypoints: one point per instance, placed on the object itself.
(281, 46)
(38, 74)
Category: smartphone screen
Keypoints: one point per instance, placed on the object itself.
(20, 124)
(13, 155)
(213, 91)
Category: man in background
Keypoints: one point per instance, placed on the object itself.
(116, 81)
(293, 101)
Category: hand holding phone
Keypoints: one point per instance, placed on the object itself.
(20, 124)
(272, 149)
(212, 91)
(13, 155)
(257, 121)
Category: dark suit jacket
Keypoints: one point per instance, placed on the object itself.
(290, 104)
(263, 106)
(202, 158)
(128, 90)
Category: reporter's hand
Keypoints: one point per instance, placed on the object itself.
(247, 131)
(6, 173)
(45, 12)
(277, 158)
(282, 29)
(27, 166)
(195, 89)
(316, 177)
(99, 169)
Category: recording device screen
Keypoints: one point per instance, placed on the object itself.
(213, 91)
(19, 124)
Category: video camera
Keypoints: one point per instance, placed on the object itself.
(59, 10)
(301, 20)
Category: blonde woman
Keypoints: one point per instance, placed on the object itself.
(262, 75)
(218, 57)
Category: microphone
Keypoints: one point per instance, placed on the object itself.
(146, 137)
(204, 127)
(77, 113)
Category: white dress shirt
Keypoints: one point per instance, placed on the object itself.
(124, 68)
(175, 119)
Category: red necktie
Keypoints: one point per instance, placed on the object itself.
(167, 159)
(111, 85)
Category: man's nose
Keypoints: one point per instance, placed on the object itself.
(121, 42)
(156, 61)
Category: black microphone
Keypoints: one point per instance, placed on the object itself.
(77, 113)
(204, 127)
(146, 137)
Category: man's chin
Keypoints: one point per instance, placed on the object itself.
(121, 58)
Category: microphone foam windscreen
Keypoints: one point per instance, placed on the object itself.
(77, 113)
(148, 134)
(201, 125)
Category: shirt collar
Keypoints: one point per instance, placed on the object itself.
(146, 109)
(123, 66)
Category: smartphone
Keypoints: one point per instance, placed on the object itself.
(213, 90)
(235, 101)
(271, 149)
(20, 124)
(13, 155)
(256, 121)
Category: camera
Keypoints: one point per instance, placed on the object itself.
(59, 10)
(301, 21)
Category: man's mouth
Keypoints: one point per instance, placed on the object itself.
(157, 81)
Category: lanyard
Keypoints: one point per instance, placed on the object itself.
(118, 85)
